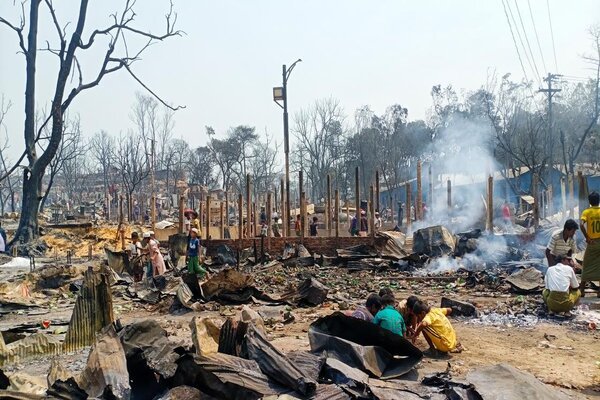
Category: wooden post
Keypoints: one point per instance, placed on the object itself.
(372, 212)
(407, 207)
(550, 200)
(377, 188)
(336, 217)
(583, 192)
(226, 208)
(269, 212)
(490, 204)
(121, 217)
(571, 196)
(221, 221)
(240, 218)
(208, 217)
(285, 220)
(300, 202)
(357, 194)
(328, 207)
(348, 222)
(418, 208)
(449, 184)
(256, 219)
(181, 201)
(563, 196)
(152, 211)
(248, 208)
(200, 216)
(536, 204)
(430, 197)
(302, 216)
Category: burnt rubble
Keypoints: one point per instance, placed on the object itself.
(231, 356)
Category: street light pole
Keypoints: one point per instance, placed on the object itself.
(286, 150)
(281, 94)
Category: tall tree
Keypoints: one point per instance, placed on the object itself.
(117, 56)
(317, 130)
(9, 180)
(103, 151)
(70, 147)
(133, 165)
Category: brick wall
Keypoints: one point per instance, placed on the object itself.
(320, 245)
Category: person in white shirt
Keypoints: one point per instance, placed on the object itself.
(561, 291)
(2, 245)
(378, 222)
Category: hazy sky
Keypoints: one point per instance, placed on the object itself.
(373, 53)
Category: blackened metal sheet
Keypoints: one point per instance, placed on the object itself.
(309, 363)
(503, 381)
(363, 345)
(275, 364)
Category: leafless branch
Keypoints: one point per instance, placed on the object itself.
(18, 30)
(59, 31)
(127, 16)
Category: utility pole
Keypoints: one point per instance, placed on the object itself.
(280, 94)
(153, 171)
(550, 91)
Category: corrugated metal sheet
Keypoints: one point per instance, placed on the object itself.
(28, 348)
(93, 311)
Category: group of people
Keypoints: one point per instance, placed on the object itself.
(145, 256)
(562, 289)
(312, 227)
(359, 226)
(409, 318)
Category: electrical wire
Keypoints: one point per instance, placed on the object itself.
(537, 72)
(537, 38)
(552, 35)
(515, 41)
(521, 41)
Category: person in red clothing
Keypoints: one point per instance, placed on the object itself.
(506, 216)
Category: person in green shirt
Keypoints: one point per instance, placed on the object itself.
(389, 318)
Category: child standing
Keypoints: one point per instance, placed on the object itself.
(193, 256)
(388, 317)
(436, 328)
(313, 226)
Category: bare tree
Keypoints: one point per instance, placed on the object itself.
(581, 110)
(76, 173)
(117, 56)
(9, 183)
(226, 154)
(70, 147)
(317, 129)
(264, 165)
(133, 165)
(103, 151)
(201, 167)
(181, 159)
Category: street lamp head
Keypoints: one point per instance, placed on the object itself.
(278, 93)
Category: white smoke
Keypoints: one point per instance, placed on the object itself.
(462, 154)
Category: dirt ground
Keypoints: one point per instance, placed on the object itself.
(563, 353)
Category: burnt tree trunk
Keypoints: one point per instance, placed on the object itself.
(47, 193)
(28, 229)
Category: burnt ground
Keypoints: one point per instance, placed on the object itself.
(512, 328)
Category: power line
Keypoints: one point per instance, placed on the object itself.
(521, 40)
(537, 38)
(537, 73)
(552, 34)
(515, 41)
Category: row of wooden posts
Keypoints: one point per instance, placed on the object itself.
(332, 203)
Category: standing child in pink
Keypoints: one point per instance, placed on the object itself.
(158, 262)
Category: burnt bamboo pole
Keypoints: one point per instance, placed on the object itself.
(419, 205)
(407, 208)
(336, 217)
